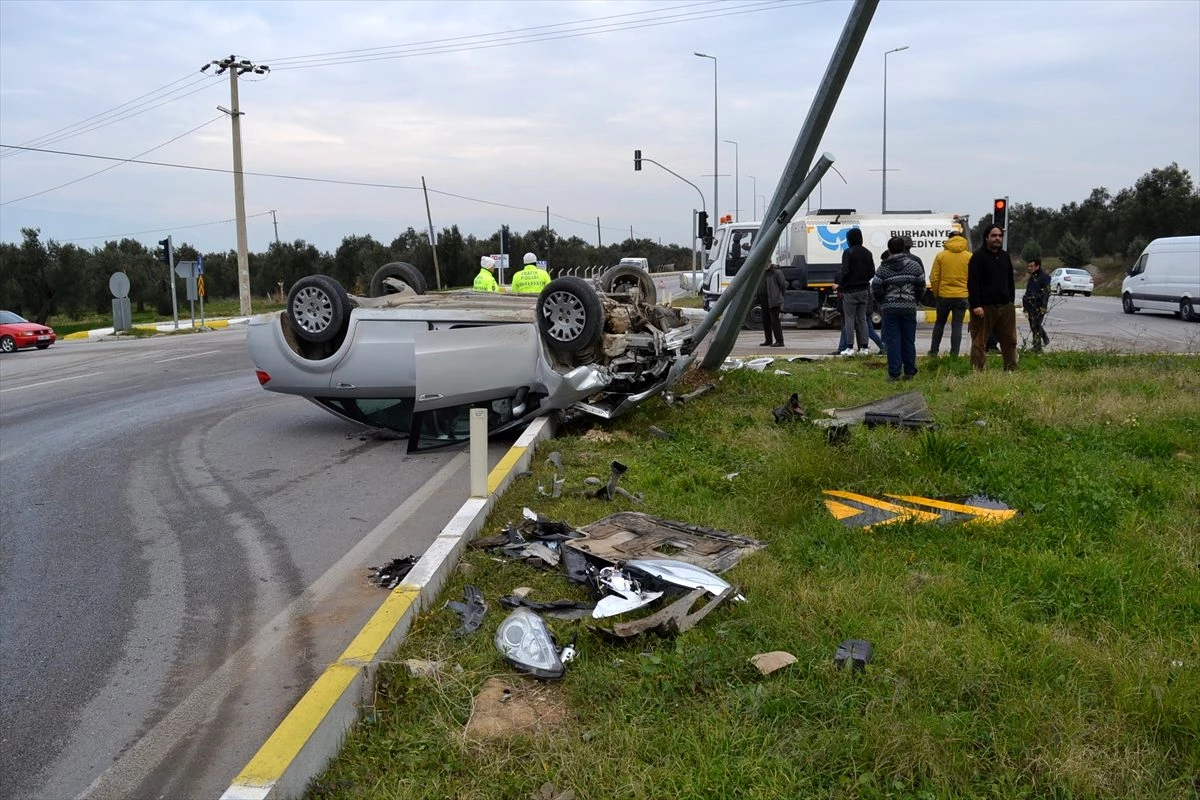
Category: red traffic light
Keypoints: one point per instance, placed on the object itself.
(999, 205)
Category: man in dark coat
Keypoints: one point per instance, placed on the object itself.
(991, 293)
(854, 284)
(1036, 302)
(770, 296)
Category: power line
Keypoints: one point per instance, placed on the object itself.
(114, 166)
(97, 121)
(111, 236)
(305, 178)
(510, 38)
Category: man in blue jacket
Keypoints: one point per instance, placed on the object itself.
(898, 285)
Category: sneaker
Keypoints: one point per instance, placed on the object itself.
(863, 351)
(849, 351)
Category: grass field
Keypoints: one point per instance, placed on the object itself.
(1054, 655)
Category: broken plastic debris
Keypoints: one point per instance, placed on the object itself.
(769, 662)
(390, 575)
(659, 432)
(680, 573)
(627, 594)
(789, 411)
(670, 620)
(471, 611)
(856, 651)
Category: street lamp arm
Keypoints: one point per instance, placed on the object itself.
(685, 180)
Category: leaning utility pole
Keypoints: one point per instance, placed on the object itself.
(237, 67)
(275, 222)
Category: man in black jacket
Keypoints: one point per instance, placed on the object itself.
(854, 282)
(1036, 302)
(990, 295)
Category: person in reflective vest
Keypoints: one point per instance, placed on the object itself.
(485, 281)
(532, 278)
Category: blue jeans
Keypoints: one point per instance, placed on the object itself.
(954, 309)
(900, 336)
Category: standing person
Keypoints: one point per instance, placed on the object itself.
(899, 284)
(532, 278)
(1036, 302)
(991, 293)
(948, 282)
(771, 299)
(485, 281)
(854, 282)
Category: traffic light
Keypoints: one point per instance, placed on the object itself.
(165, 255)
(701, 223)
(504, 242)
(1000, 212)
(637, 160)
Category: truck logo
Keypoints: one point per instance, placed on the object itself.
(831, 239)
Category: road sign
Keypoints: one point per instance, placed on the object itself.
(200, 285)
(864, 511)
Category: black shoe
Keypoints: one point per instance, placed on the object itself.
(764, 344)
(893, 378)
(777, 344)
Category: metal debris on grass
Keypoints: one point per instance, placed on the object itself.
(856, 651)
(471, 611)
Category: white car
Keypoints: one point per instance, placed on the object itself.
(416, 364)
(1071, 280)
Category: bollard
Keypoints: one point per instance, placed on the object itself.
(479, 487)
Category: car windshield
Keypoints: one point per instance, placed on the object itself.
(9, 318)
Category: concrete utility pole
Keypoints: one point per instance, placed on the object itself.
(236, 67)
(275, 222)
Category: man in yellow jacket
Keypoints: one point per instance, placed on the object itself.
(948, 282)
(485, 281)
(532, 278)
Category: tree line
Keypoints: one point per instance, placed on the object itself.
(1163, 202)
(41, 278)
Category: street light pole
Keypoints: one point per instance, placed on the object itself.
(716, 204)
(737, 204)
(754, 200)
(883, 203)
(237, 67)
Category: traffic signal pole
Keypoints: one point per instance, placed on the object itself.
(169, 257)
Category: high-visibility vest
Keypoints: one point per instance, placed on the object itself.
(484, 282)
(530, 280)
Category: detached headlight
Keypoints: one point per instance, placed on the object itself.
(527, 644)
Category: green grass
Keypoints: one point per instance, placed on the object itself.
(1056, 655)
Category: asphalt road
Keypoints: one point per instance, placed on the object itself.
(182, 553)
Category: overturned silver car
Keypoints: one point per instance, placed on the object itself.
(417, 363)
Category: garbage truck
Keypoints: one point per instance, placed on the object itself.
(813, 255)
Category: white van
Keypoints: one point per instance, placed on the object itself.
(1165, 278)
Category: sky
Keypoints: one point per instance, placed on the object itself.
(505, 109)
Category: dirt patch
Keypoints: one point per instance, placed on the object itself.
(505, 707)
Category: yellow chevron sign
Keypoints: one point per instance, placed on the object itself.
(864, 511)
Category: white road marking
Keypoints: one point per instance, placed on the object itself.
(190, 355)
(47, 383)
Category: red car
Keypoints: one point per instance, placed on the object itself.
(17, 332)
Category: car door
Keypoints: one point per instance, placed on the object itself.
(380, 360)
(465, 364)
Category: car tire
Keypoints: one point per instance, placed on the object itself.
(570, 315)
(1127, 304)
(754, 320)
(620, 279)
(1087, 294)
(8, 344)
(1058, 290)
(1187, 312)
(402, 271)
(43, 345)
(318, 308)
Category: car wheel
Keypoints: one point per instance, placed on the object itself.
(1087, 294)
(570, 315)
(1058, 290)
(622, 279)
(1187, 311)
(401, 271)
(43, 345)
(7, 344)
(1127, 304)
(754, 320)
(318, 308)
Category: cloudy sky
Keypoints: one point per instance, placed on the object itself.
(507, 108)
